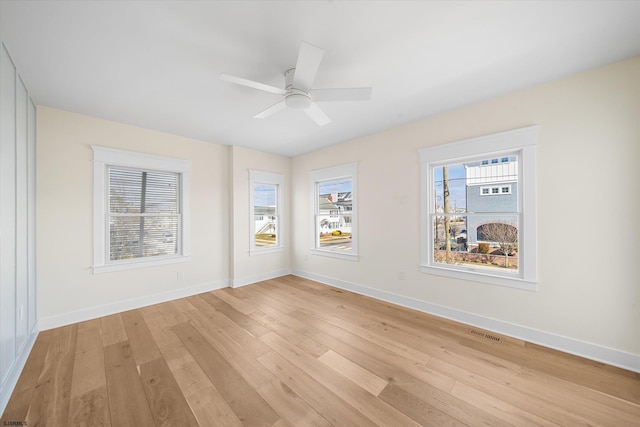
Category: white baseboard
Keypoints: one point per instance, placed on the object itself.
(16, 369)
(130, 304)
(573, 346)
(243, 281)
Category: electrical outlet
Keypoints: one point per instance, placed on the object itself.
(179, 275)
(21, 312)
(402, 275)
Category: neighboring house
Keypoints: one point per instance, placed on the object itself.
(333, 204)
(491, 187)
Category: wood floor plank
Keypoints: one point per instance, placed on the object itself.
(379, 360)
(333, 408)
(210, 409)
(238, 357)
(247, 404)
(300, 340)
(444, 402)
(90, 409)
(242, 306)
(112, 330)
(505, 411)
(350, 392)
(141, 341)
(258, 294)
(168, 405)
(89, 401)
(128, 405)
(365, 379)
(241, 319)
(88, 368)
(188, 374)
(502, 390)
(231, 329)
(51, 398)
(289, 405)
(417, 409)
(18, 404)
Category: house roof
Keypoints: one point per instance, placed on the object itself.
(158, 64)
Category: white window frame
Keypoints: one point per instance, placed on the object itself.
(521, 141)
(259, 177)
(104, 157)
(349, 170)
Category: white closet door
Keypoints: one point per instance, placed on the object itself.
(7, 212)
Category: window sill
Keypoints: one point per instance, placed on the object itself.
(334, 254)
(476, 276)
(265, 251)
(138, 263)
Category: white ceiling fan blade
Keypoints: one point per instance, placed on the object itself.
(252, 84)
(307, 66)
(349, 94)
(271, 110)
(317, 115)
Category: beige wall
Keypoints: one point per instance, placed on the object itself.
(246, 268)
(66, 283)
(588, 202)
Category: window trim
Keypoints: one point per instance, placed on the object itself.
(348, 170)
(104, 157)
(522, 141)
(268, 178)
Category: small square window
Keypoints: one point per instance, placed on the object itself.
(494, 161)
(505, 159)
(495, 190)
(485, 162)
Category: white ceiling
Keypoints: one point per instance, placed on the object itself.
(157, 64)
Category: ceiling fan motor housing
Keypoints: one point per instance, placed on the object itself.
(295, 98)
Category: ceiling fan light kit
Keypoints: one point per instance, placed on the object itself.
(298, 93)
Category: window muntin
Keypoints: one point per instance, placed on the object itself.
(140, 210)
(476, 214)
(334, 219)
(265, 223)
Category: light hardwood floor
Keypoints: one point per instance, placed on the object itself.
(292, 352)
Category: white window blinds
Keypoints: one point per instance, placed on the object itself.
(144, 213)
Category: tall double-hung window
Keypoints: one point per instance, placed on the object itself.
(478, 209)
(335, 211)
(266, 198)
(140, 202)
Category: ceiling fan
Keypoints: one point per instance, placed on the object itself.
(298, 94)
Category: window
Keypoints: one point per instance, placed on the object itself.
(140, 210)
(468, 235)
(492, 191)
(335, 212)
(265, 200)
